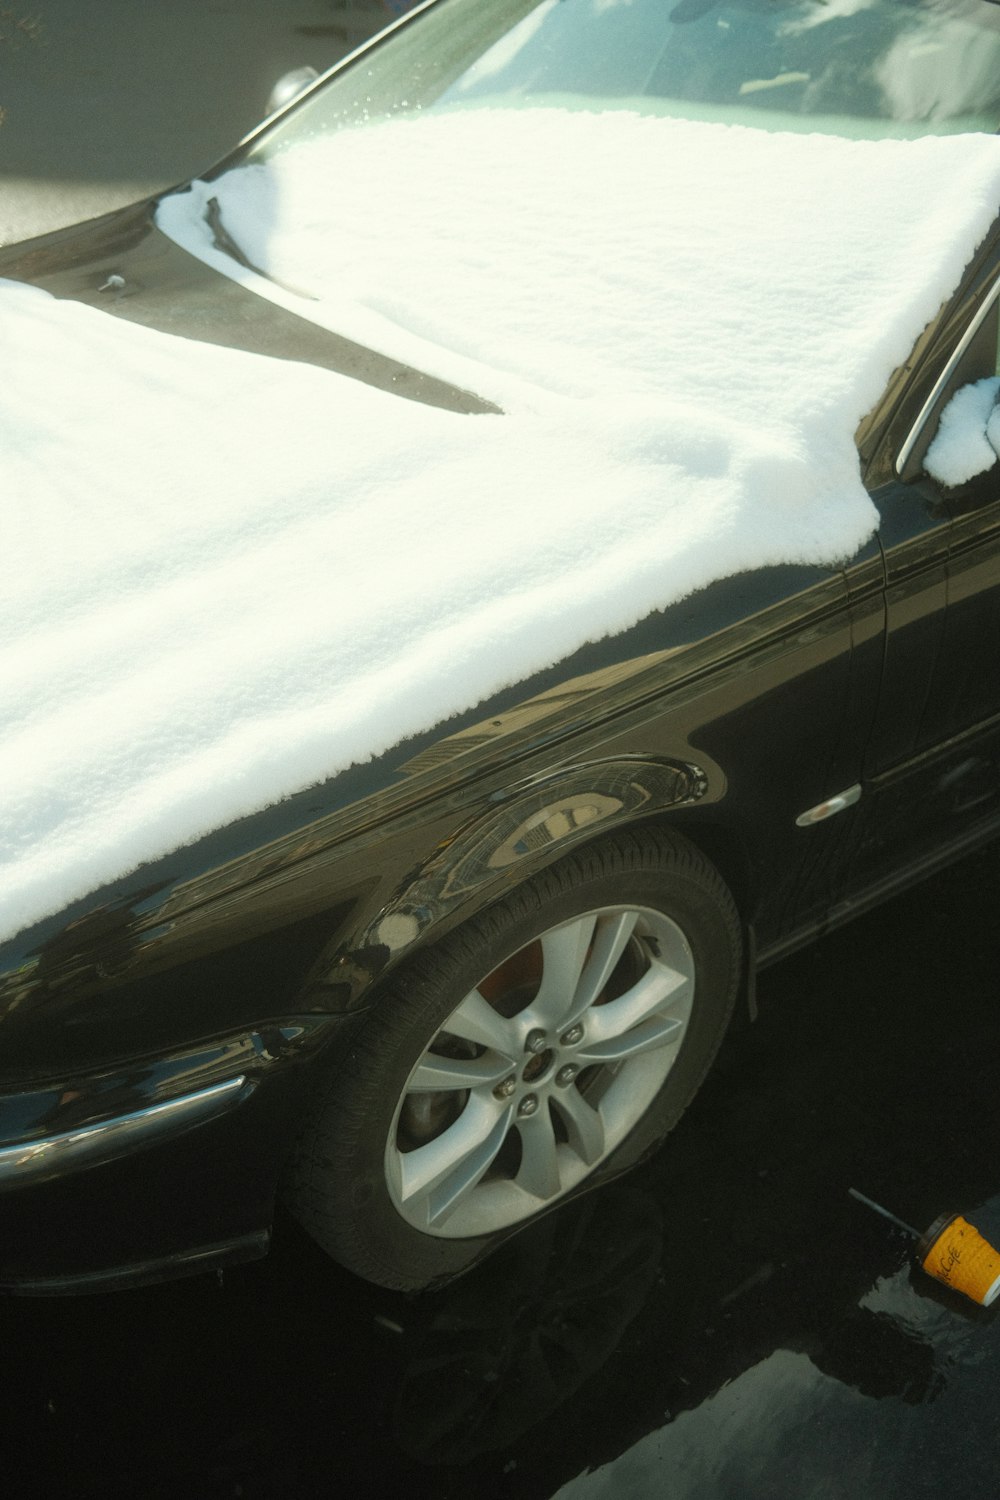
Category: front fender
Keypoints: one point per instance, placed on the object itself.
(528, 825)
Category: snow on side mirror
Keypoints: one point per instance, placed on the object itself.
(967, 441)
(289, 86)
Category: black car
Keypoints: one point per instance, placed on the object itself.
(443, 991)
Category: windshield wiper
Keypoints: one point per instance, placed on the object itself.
(223, 240)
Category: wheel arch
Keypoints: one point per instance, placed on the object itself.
(526, 827)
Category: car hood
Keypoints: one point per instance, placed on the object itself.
(650, 500)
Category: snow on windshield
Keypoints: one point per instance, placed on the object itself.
(228, 577)
(527, 251)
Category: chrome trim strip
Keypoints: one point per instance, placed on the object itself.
(349, 58)
(946, 374)
(832, 805)
(109, 1138)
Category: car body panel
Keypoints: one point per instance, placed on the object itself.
(728, 716)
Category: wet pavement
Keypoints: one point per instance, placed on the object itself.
(725, 1322)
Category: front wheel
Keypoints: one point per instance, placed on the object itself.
(508, 1064)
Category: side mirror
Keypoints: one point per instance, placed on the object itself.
(289, 86)
(967, 442)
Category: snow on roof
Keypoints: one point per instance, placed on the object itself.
(228, 577)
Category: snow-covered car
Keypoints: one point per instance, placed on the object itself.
(507, 554)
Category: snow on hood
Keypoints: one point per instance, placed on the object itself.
(228, 577)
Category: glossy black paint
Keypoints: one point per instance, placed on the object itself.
(726, 716)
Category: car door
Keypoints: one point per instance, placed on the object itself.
(933, 761)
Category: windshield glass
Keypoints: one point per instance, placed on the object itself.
(491, 163)
(865, 68)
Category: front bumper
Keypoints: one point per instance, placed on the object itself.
(159, 1169)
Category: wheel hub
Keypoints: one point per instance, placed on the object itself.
(538, 1067)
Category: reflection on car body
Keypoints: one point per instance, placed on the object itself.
(529, 926)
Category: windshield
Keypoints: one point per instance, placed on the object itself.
(866, 68)
(494, 172)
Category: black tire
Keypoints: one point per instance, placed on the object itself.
(565, 1114)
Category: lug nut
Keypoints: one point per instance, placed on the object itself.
(566, 1074)
(572, 1036)
(528, 1105)
(505, 1089)
(535, 1041)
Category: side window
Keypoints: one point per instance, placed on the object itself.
(950, 436)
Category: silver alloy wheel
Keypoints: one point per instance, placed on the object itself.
(540, 1072)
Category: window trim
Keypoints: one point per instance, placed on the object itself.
(934, 396)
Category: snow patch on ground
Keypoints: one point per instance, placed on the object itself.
(227, 577)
